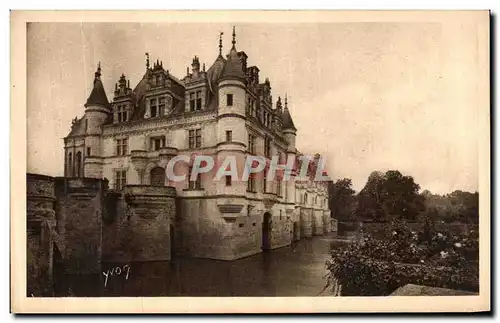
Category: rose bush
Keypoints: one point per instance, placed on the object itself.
(402, 255)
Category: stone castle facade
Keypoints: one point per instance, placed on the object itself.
(115, 202)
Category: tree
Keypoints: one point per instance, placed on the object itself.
(388, 196)
(341, 199)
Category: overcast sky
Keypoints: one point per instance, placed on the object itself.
(369, 96)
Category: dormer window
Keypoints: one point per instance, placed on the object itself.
(158, 80)
(162, 106)
(153, 107)
(192, 102)
(198, 100)
(121, 113)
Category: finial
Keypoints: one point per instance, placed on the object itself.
(128, 84)
(161, 63)
(157, 62)
(147, 60)
(220, 43)
(98, 72)
(203, 67)
(187, 70)
(234, 37)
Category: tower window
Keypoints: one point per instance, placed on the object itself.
(229, 100)
(198, 100)
(251, 183)
(228, 180)
(229, 135)
(88, 151)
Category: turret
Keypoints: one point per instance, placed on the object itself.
(97, 111)
(289, 130)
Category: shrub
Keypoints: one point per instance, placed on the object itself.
(402, 255)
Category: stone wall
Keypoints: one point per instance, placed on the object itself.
(137, 224)
(79, 207)
(204, 233)
(41, 222)
(306, 225)
(317, 222)
(281, 231)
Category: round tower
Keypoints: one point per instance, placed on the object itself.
(290, 133)
(232, 135)
(97, 111)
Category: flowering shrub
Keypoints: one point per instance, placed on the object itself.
(378, 266)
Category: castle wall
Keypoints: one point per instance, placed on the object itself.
(306, 222)
(80, 205)
(41, 221)
(318, 222)
(137, 224)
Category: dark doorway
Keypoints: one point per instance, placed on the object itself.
(266, 231)
(296, 230)
(172, 241)
(158, 176)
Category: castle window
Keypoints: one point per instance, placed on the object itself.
(229, 135)
(78, 159)
(88, 151)
(157, 142)
(228, 180)
(278, 187)
(70, 165)
(229, 98)
(121, 113)
(251, 144)
(195, 138)
(120, 179)
(191, 102)
(198, 100)
(162, 106)
(251, 183)
(264, 183)
(121, 147)
(267, 147)
(153, 107)
(196, 184)
(158, 80)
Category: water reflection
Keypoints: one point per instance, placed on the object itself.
(296, 270)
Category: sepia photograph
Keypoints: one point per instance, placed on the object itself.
(310, 159)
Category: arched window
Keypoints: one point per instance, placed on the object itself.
(79, 170)
(70, 165)
(305, 198)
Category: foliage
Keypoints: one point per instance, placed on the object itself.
(342, 199)
(389, 196)
(371, 266)
(458, 206)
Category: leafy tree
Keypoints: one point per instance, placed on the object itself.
(388, 196)
(342, 199)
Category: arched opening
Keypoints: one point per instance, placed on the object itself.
(266, 231)
(305, 198)
(157, 176)
(79, 171)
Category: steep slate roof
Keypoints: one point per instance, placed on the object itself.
(287, 118)
(98, 95)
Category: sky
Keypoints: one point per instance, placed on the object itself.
(368, 96)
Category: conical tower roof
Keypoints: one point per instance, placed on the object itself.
(287, 118)
(98, 96)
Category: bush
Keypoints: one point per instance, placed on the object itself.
(402, 255)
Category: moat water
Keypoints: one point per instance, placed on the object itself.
(295, 270)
